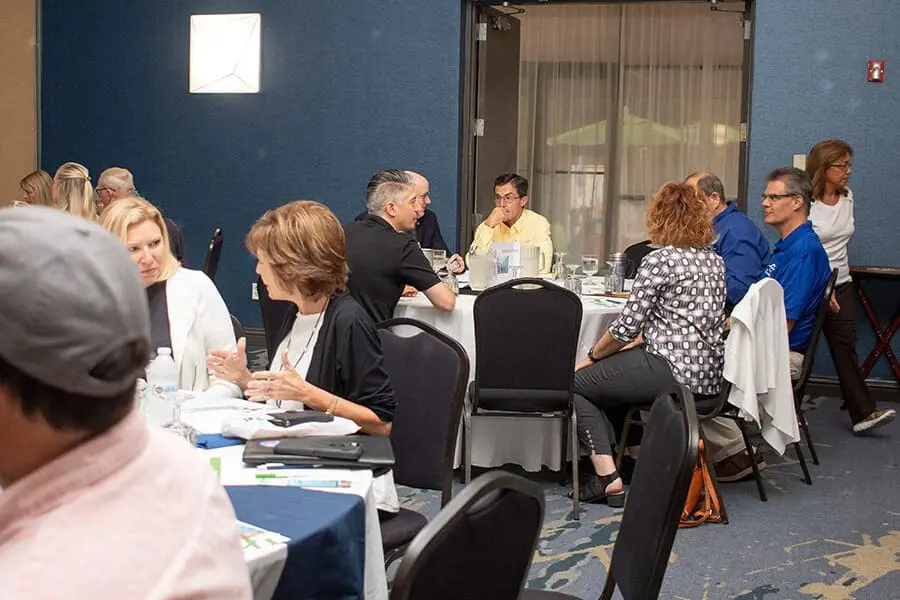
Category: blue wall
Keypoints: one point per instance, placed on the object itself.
(348, 87)
(809, 84)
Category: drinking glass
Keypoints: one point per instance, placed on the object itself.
(177, 426)
(559, 271)
(438, 259)
(590, 264)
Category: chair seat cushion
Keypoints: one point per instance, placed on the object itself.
(399, 530)
(522, 400)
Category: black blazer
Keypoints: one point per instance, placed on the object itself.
(347, 359)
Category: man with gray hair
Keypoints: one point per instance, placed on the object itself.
(115, 183)
(78, 461)
(739, 241)
(382, 256)
(799, 262)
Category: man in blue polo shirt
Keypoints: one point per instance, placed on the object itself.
(739, 242)
(799, 262)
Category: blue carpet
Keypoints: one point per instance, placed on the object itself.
(837, 539)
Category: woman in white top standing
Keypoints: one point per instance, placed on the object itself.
(829, 166)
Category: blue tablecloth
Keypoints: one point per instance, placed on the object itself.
(326, 554)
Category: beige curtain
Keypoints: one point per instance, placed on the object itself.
(616, 100)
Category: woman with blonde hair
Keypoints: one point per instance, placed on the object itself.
(829, 167)
(37, 189)
(72, 191)
(187, 314)
(677, 307)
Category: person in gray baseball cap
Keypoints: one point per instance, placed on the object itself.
(77, 460)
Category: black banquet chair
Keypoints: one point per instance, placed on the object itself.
(656, 497)
(479, 546)
(526, 339)
(806, 370)
(211, 263)
(428, 371)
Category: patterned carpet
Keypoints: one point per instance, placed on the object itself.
(837, 539)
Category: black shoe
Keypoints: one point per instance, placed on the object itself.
(594, 491)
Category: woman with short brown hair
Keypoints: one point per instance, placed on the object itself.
(677, 308)
(331, 359)
(829, 166)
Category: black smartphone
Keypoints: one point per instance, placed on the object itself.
(320, 448)
(289, 418)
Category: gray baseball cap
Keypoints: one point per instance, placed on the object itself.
(70, 296)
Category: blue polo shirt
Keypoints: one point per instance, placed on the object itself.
(800, 265)
(744, 249)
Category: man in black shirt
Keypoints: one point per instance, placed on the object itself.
(382, 256)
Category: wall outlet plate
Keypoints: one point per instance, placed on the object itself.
(254, 293)
(800, 161)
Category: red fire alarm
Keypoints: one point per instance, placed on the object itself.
(876, 71)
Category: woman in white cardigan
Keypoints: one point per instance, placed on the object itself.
(187, 314)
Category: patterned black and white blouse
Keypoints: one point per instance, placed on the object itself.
(678, 304)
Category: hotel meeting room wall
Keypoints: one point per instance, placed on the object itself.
(809, 84)
(347, 88)
(18, 151)
(351, 87)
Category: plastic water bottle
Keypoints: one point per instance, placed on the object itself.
(162, 373)
(162, 379)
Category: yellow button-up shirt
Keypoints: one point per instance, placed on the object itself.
(530, 228)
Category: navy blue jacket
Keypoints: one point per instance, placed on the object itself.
(744, 249)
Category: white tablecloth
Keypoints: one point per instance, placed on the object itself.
(265, 573)
(497, 440)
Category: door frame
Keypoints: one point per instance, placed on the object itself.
(469, 55)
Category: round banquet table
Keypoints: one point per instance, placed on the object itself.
(326, 551)
(497, 440)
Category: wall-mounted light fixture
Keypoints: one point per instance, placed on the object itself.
(225, 54)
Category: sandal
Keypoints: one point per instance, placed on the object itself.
(594, 491)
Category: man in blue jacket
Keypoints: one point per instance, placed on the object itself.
(740, 243)
(745, 251)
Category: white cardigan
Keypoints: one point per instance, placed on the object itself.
(199, 322)
(757, 364)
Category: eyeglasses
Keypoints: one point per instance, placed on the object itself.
(507, 199)
(103, 189)
(842, 166)
(774, 197)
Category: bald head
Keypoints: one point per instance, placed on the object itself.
(423, 190)
(710, 187)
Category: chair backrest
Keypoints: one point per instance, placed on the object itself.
(211, 263)
(239, 331)
(526, 341)
(636, 253)
(657, 495)
(810, 355)
(277, 317)
(479, 546)
(429, 372)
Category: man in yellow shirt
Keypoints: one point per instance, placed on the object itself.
(510, 221)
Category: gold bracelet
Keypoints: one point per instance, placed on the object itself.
(331, 408)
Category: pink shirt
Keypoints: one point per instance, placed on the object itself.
(133, 513)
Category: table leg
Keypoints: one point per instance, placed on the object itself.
(883, 344)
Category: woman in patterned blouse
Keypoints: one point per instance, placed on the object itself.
(670, 330)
